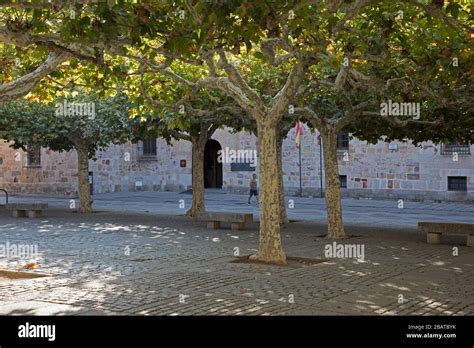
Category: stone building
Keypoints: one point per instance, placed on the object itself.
(384, 170)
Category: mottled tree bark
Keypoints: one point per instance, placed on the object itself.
(197, 206)
(85, 202)
(270, 249)
(333, 191)
(281, 187)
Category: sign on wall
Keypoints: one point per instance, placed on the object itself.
(242, 167)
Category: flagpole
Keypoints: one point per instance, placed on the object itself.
(299, 151)
(321, 163)
(298, 132)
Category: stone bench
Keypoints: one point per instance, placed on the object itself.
(32, 210)
(434, 230)
(238, 221)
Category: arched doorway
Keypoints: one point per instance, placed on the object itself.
(212, 167)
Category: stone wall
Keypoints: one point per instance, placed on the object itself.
(121, 168)
(395, 170)
(384, 170)
(57, 174)
(236, 181)
(405, 171)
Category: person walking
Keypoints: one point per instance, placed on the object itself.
(253, 188)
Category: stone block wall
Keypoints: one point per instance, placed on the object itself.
(57, 174)
(121, 168)
(392, 171)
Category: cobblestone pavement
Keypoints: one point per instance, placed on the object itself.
(382, 213)
(153, 264)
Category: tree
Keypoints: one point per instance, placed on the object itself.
(383, 58)
(179, 112)
(285, 126)
(301, 37)
(193, 128)
(86, 124)
(149, 32)
(37, 39)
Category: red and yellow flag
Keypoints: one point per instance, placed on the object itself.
(299, 130)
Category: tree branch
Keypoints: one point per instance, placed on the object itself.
(180, 135)
(289, 90)
(236, 78)
(23, 85)
(224, 84)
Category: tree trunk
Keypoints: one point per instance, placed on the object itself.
(85, 200)
(270, 249)
(281, 187)
(198, 205)
(333, 191)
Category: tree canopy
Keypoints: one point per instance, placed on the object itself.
(335, 63)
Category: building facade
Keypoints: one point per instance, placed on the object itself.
(394, 170)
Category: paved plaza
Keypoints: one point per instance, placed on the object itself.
(138, 255)
(356, 211)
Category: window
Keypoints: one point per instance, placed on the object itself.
(147, 149)
(342, 141)
(33, 156)
(460, 149)
(343, 181)
(457, 183)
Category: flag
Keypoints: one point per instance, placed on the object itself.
(299, 130)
